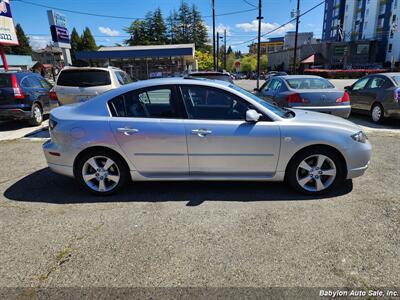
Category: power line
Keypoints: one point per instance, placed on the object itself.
(281, 26)
(251, 4)
(120, 17)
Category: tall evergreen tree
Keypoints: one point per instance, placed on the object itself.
(172, 27)
(88, 41)
(184, 24)
(23, 48)
(137, 31)
(76, 43)
(229, 51)
(158, 29)
(199, 29)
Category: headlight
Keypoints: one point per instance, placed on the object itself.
(359, 137)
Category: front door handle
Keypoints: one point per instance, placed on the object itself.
(201, 132)
(127, 130)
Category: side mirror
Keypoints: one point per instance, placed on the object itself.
(347, 88)
(256, 89)
(252, 116)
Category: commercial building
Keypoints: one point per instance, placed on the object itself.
(270, 45)
(143, 62)
(371, 24)
(49, 56)
(17, 62)
(303, 38)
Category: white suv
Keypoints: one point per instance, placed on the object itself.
(78, 84)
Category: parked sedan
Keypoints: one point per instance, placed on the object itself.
(212, 75)
(377, 95)
(24, 96)
(188, 129)
(306, 92)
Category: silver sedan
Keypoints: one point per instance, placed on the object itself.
(194, 129)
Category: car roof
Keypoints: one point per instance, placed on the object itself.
(208, 73)
(298, 76)
(389, 74)
(69, 68)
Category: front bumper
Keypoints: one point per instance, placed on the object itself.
(358, 159)
(339, 110)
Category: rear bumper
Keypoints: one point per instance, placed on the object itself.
(61, 163)
(63, 170)
(14, 113)
(339, 110)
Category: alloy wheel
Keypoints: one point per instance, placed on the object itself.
(316, 173)
(376, 113)
(101, 174)
(37, 114)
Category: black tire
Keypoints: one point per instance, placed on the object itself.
(36, 115)
(375, 116)
(292, 169)
(121, 165)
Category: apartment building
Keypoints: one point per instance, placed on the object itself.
(368, 23)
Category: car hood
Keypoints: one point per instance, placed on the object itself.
(316, 118)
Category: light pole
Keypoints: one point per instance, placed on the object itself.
(213, 16)
(217, 51)
(259, 18)
(225, 49)
(295, 37)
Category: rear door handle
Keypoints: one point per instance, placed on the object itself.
(201, 132)
(127, 130)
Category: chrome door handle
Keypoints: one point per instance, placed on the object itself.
(127, 131)
(201, 132)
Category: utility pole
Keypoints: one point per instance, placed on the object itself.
(217, 52)
(225, 49)
(213, 16)
(296, 35)
(259, 18)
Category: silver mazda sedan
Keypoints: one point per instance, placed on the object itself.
(196, 129)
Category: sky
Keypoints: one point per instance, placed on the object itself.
(240, 27)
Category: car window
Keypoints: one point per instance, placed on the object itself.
(309, 83)
(207, 103)
(266, 86)
(44, 83)
(31, 82)
(154, 103)
(84, 78)
(376, 83)
(275, 85)
(396, 79)
(122, 77)
(360, 84)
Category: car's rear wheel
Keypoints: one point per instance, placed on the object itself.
(316, 171)
(377, 113)
(101, 172)
(37, 115)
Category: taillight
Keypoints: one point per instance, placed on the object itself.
(53, 96)
(18, 94)
(396, 95)
(296, 98)
(345, 98)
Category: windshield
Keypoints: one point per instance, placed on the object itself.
(84, 78)
(213, 76)
(309, 83)
(275, 109)
(397, 80)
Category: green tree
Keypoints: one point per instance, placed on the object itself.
(229, 51)
(88, 41)
(204, 60)
(199, 29)
(248, 63)
(137, 31)
(263, 63)
(23, 48)
(156, 28)
(172, 27)
(230, 62)
(76, 43)
(184, 24)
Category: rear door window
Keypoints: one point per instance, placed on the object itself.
(84, 78)
(31, 82)
(376, 83)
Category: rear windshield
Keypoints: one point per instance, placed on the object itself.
(84, 78)
(309, 83)
(397, 80)
(5, 80)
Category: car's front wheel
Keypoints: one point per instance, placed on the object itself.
(377, 113)
(101, 172)
(316, 171)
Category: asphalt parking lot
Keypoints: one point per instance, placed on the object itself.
(215, 234)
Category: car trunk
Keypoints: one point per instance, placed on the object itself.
(321, 97)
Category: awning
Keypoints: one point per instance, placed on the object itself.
(309, 60)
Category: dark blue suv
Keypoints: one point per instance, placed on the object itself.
(25, 96)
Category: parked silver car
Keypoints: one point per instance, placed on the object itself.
(306, 92)
(191, 129)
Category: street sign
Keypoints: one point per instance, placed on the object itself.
(58, 29)
(8, 36)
